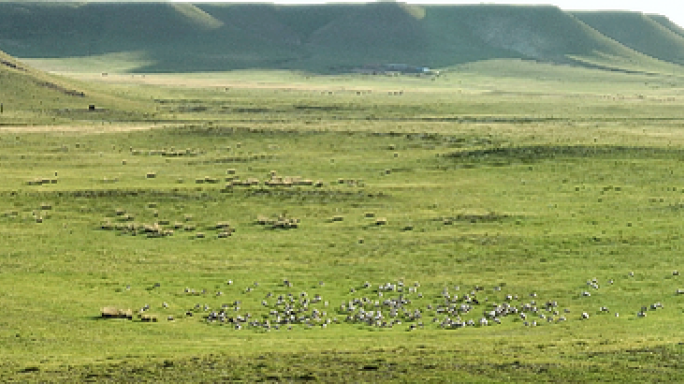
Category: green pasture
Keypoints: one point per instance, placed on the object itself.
(476, 183)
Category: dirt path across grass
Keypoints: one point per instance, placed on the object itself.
(80, 129)
(265, 82)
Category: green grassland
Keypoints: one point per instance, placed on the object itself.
(495, 178)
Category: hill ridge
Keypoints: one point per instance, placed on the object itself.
(639, 32)
(322, 38)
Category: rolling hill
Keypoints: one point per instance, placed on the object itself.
(667, 23)
(31, 95)
(21, 85)
(338, 38)
(639, 32)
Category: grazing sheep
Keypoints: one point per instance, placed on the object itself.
(148, 318)
(585, 315)
(113, 312)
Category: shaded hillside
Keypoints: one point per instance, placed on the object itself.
(542, 33)
(667, 23)
(324, 38)
(639, 32)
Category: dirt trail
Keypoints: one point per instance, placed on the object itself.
(82, 128)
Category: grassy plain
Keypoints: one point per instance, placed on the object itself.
(490, 179)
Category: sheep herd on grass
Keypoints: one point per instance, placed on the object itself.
(162, 228)
(394, 304)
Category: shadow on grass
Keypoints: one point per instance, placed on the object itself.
(530, 154)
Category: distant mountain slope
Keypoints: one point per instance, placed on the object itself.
(540, 32)
(638, 32)
(209, 36)
(667, 23)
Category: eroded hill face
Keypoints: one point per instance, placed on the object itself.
(338, 38)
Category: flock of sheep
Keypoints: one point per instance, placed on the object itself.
(395, 304)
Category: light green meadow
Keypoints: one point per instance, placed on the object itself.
(400, 209)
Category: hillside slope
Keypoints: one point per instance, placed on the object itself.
(31, 96)
(20, 83)
(543, 33)
(639, 32)
(667, 23)
(323, 38)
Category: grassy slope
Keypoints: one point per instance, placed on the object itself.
(221, 37)
(540, 33)
(666, 22)
(32, 96)
(638, 32)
